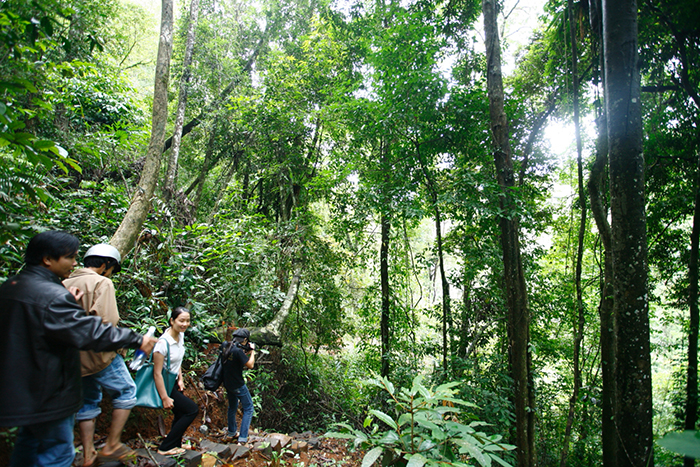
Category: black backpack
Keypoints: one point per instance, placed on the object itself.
(214, 376)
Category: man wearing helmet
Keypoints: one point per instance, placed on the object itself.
(102, 369)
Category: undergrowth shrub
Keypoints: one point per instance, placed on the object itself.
(427, 426)
(301, 391)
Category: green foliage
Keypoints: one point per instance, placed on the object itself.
(306, 391)
(427, 427)
(686, 443)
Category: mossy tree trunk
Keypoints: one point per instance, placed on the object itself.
(129, 229)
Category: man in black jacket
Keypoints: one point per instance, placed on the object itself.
(42, 327)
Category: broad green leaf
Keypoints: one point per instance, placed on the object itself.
(476, 453)
(390, 437)
(428, 424)
(686, 443)
(371, 456)
(494, 448)
(425, 392)
(44, 144)
(499, 460)
(385, 418)
(479, 423)
(404, 418)
(417, 384)
(447, 387)
(426, 444)
(28, 85)
(389, 386)
(443, 409)
(416, 460)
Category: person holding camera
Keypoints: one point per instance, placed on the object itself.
(240, 354)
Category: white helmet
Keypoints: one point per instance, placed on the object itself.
(105, 251)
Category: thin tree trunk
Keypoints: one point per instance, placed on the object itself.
(171, 174)
(691, 407)
(514, 277)
(127, 233)
(580, 321)
(276, 324)
(633, 416)
(446, 309)
(222, 183)
(608, 332)
(192, 124)
(596, 190)
(386, 293)
(208, 163)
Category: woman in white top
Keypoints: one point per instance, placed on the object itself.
(184, 409)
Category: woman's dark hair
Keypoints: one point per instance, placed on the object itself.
(52, 243)
(177, 311)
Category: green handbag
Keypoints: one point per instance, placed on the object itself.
(146, 391)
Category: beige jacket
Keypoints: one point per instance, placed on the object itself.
(99, 299)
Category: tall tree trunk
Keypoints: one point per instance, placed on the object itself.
(629, 240)
(580, 310)
(211, 109)
(385, 225)
(608, 332)
(171, 174)
(514, 277)
(275, 325)
(209, 162)
(386, 293)
(446, 309)
(691, 407)
(596, 190)
(127, 233)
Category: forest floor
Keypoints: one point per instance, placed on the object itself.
(148, 425)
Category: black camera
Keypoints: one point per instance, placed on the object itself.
(247, 347)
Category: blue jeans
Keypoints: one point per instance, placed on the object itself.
(234, 396)
(116, 380)
(47, 444)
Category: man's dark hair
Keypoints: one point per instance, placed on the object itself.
(97, 261)
(52, 243)
(240, 335)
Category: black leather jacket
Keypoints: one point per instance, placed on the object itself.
(41, 329)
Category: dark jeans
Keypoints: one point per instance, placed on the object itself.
(47, 444)
(185, 411)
